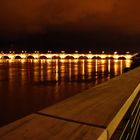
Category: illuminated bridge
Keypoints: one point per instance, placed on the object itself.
(62, 55)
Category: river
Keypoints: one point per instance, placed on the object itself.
(28, 85)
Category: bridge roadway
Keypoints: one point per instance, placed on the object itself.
(109, 111)
(63, 55)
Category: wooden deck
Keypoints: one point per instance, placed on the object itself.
(91, 115)
(37, 127)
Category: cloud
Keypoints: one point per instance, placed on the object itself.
(36, 16)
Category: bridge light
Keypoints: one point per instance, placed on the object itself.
(115, 52)
(13, 51)
(127, 52)
(76, 51)
(25, 51)
(89, 52)
(1, 51)
(22, 51)
(37, 51)
(49, 51)
(103, 52)
(62, 51)
(9, 51)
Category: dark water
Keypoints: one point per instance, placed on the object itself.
(27, 86)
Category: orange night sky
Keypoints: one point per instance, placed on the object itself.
(95, 19)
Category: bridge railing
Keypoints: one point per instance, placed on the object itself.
(107, 111)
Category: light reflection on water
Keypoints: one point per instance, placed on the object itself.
(27, 86)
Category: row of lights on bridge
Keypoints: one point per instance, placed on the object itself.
(63, 52)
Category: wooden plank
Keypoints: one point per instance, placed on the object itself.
(37, 127)
(99, 105)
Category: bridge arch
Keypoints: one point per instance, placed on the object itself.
(30, 57)
(5, 57)
(109, 57)
(83, 57)
(96, 57)
(69, 57)
(56, 57)
(43, 57)
(122, 58)
(18, 57)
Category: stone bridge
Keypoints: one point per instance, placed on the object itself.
(13, 55)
